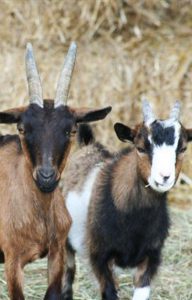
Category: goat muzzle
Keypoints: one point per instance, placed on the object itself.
(46, 179)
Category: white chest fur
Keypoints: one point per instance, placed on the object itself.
(77, 204)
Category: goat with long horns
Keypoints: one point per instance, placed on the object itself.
(34, 220)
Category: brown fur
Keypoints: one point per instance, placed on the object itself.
(143, 163)
(75, 174)
(141, 269)
(126, 168)
(33, 218)
(181, 156)
(31, 222)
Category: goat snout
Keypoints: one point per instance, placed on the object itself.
(47, 174)
(46, 179)
(165, 176)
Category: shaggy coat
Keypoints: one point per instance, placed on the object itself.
(32, 223)
(118, 218)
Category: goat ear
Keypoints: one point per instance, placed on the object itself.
(91, 115)
(124, 133)
(11, 116)
(189, 135)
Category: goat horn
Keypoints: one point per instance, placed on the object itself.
(148, 114)
(175, 112)
(33, 79)
(65, 76)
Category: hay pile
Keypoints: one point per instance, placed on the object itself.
(126, 49)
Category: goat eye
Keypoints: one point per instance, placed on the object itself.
(67, 133)
(141, 150)
(21, 128)
(70, 133)
(183, 150)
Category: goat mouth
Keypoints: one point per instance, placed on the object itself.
(159, 184)
(47, 188)
(164, 185)
(162, 188)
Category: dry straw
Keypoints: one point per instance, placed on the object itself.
(126, 50)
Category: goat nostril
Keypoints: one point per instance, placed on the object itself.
(165, 178)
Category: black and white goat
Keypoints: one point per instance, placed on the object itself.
(118, 203)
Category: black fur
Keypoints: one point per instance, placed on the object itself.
(136, 230)
(9, 118)
(123, 132)
(85, 135)
(6, 139)
(67, 293)
(47, 130)
(2, 258)
(67, 290)
(148, 147)
(105, 153)
(161, 134)
(127, 237)
(94, 115)
(46, 136)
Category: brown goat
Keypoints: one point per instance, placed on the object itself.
(34, 220)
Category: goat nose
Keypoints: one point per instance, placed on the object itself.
(165, 176)
(46, 173)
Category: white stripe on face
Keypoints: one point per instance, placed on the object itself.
(162, 177)
(141, 293)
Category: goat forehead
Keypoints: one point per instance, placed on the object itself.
(164, 133)
(48, 117)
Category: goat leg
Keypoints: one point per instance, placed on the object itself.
(55, 271)
(14, 275)
(103, 272)
(144, 274)
(69, 275)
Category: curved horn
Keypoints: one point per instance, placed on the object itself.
(33, 79)
(175, 112)
(148, 114)
(65, 77)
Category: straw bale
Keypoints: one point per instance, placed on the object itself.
(126, 49)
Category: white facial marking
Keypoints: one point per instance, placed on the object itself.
(162, 177)
(77, 205)
(141, 293)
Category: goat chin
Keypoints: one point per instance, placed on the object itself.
(160, 188)
(47, 188)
